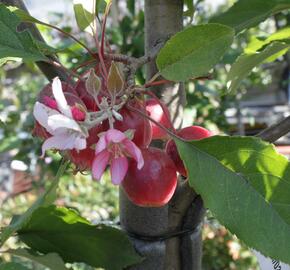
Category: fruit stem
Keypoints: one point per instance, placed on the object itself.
(154, 78)
(149, 84)
(149, 93)
(168, 131)
(104, 28)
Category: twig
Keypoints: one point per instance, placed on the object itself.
(171, 133)
(276, 131)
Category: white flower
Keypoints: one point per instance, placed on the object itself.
(66, 132)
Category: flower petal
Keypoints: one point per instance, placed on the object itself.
(60, 98)
(101, 144)
(134, 152)
(119, 168)
(63, 142)
(99, 164)
(80, 143)
(115, 136)
(61, 121)
(41, 114)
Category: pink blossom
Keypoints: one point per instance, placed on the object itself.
(114, 149)
(57, 118)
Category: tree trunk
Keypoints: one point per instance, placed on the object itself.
(163, 18)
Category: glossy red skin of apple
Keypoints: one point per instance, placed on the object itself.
(155, 111)
(155, 183)
(188, 133)
(140, 125)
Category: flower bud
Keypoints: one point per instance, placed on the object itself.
(115, 81)
(93, 84)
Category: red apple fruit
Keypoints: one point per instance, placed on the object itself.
(155, 183)
(188, 133)
(155, 111)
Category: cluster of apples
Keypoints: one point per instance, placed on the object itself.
(154, 184)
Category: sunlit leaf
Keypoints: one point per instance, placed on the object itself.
(233, 197)
(83, 17)
(256, 43)
(14, 43)
(246, 62)
(245, 14)
(190, 8)
(194, 51)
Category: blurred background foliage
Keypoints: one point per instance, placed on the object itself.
(206, 106)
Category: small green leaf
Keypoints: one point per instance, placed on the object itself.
(2, 123)
(190, 8)
(50, 260)
(3, 61)
(194, 51)
(245, 14)
(256, 43)
(61, 230)
(237, 203)
(46, 199)
(13, 266)
(246, 62)
(9, 143)
(46, 49)
(23, 15)
(13, 43)
(83, 17)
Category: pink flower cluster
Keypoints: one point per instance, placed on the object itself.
(68, 131)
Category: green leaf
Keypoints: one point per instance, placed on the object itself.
(256, 43)
(2, 123)
(13, 43)
(190, 8)
(46, 49)
(17, 223)
(236, 199)
(83, 17)
(194, 51)
(9, 143)
(51, 260)
(23, 15)
(259, 162)
(246, 62)
(6, 59)
(61, 230)
(13, 266)
(248, 13)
